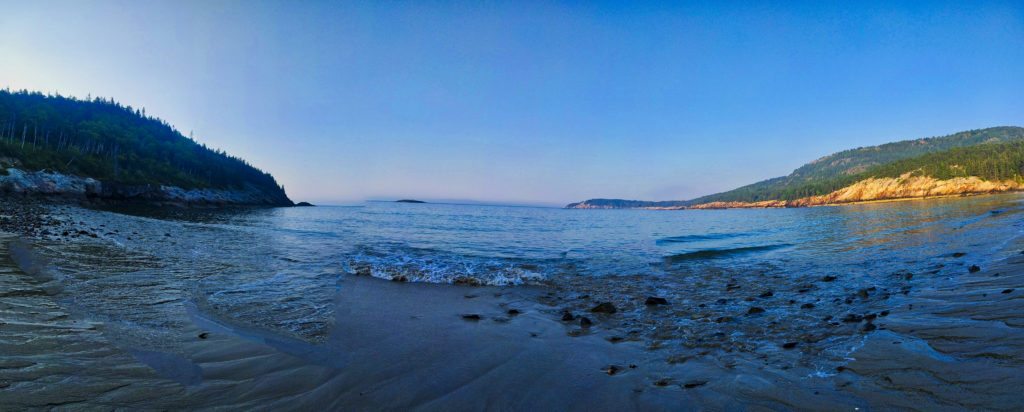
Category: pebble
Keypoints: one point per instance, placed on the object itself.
(974, 269)
(604, 307)
(852, 318)
(653, 301)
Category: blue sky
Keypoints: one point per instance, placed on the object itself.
(530, 102)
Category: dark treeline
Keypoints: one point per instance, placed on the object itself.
(105, 140)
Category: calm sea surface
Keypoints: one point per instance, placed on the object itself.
(513, 245)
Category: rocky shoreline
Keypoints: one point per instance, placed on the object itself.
(17, 182)
(905, 187)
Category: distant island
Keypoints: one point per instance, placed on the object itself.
(99, 149)
(409, 201)
(971, 162)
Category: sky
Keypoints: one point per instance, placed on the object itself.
(529, 102)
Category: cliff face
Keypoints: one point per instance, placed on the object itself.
(903, 187)
(17, 181)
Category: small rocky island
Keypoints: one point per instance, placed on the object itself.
(409, 201)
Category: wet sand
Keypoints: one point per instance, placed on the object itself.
(948, 344)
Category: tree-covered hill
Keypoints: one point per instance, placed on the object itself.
(110, 142)
(991, 154)
(823, 175)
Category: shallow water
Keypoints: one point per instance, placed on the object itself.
(748, 293)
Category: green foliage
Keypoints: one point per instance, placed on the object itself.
(103, 139)
(934, 157)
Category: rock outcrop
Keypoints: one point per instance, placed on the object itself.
(47, 183)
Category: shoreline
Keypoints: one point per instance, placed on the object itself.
(49, 184)
(754, 205)
(865, 202)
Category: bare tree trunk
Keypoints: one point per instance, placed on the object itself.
(116, 169)
(24, 131)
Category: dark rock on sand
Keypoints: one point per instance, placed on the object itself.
(694, 384)
(853, 318)
(585, 322)
(974, 269)
(1007, 290)
(467, 281)
(653, 301)
(807, 306)
(959, 254)
(663, 382)
(755, 310)
(789, 345)
(767, 294)
(513, 312)
(204, 335)
(471, 316)
(567, 317)
(604, 307)
(612, 369)
(829, 278)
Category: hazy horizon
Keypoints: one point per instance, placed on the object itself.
(529, 103)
